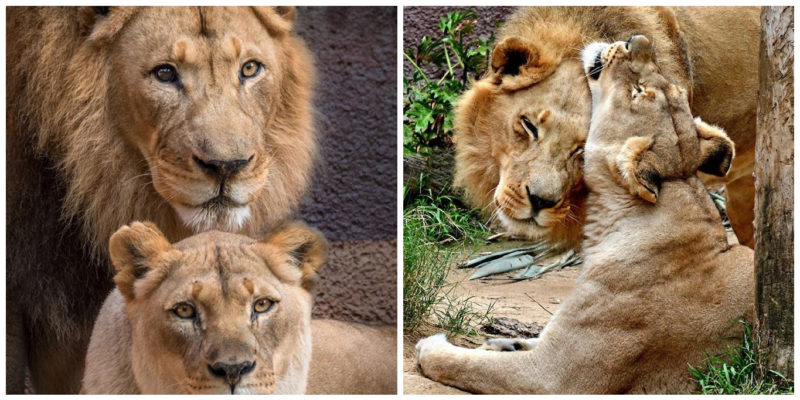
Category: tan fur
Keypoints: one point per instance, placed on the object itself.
(121, 138)
(349, 358)
(535, 67)
(140, 345)
(660, 289)
(98, 142)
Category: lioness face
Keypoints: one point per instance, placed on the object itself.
(629, 94)
(198, 97)
(642, 131)
(535, 137)
(218, 312)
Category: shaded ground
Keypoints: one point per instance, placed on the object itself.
(527, 301)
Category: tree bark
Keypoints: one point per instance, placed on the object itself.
(774, 215)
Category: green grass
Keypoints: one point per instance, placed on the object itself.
(440, 217)
(429, 221)
(737, 371)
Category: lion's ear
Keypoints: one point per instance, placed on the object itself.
(132, 249)
(635, 169)
(716, 149)
(301, 246)
(277, 20)
(103, 23)
(517, 63)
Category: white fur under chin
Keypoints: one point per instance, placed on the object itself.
(528, 230)
(199, 219)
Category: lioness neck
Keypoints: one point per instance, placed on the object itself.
(684, 217)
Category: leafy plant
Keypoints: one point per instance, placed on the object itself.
(442, 68)
(737, 372)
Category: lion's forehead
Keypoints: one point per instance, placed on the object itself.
(213, 272)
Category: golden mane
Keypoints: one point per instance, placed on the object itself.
(64, 84)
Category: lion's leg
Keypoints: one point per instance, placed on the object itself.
(477, 370)
(740, 200)
(509, 344)
(16, 351)
(57, 367)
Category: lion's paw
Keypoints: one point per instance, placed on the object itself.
(504, 344)
(431, 343)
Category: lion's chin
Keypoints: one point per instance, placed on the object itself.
(201, 219)
(530, 229)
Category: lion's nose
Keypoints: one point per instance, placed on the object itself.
(232, 373)
(222, 169)
(539, 203)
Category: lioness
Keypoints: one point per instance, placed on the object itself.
(223, 313)
(520, 130)
(194, 118)
(661, 286)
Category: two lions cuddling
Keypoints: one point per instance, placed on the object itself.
(661, 287)
(520, 130)
(194, 118)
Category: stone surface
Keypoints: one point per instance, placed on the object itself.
(353, 198)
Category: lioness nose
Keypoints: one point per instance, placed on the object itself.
(639, 44)
(539, 203)
(221, 169)
(232, 373)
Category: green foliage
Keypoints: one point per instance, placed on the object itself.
(428, 221)
(428, 100)
(441, 217)
(737, 372)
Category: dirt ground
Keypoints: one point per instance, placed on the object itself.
(528, 301)
(532, 300)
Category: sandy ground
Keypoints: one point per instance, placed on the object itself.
(533, 300)
(528, 301)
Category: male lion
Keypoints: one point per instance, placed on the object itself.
(195, 118)
(661, 286)
(520, 130)
(223, 313)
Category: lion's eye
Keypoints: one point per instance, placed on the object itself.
(530, 128)
(165, 73)
(184, 310)
(262, 305)
(250, 69)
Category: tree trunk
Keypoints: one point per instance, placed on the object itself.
(774, 215)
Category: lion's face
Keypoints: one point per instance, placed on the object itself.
(218, 312)
(202, 93)
(519, 150)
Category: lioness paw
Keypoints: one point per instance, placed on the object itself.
(505, 344)
(429, 344)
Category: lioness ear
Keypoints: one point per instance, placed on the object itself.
(303, 247)
(635, 171)
(131, 249)
(517, 64)
(277, 20)
(103, 23)
(716, 149)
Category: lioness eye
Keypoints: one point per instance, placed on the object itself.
(184, 310)
(250, 69)
(165, 73)
(262, 305)
(530, 128)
